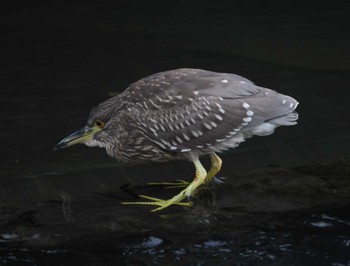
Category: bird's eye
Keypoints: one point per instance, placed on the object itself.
(99, 123)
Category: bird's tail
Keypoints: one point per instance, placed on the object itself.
(286, 120)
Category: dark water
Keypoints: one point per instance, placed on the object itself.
(307, 239)
(59, 60)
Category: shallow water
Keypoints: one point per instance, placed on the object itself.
(307, 239)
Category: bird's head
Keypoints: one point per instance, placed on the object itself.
(95, 132)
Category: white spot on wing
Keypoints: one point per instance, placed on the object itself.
(219, 117)
(247, 119)
(213, 124)
(245, 105)
(194, 133)
(178, 139)
(218, 105)
(250, 113)
(185, 136)
(224, 80)
(207, 126)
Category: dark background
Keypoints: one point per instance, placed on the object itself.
(59, 59)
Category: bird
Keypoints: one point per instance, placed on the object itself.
(183, 114)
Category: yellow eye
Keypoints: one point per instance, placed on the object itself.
(99, 123)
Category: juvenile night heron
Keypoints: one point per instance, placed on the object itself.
(183, 114)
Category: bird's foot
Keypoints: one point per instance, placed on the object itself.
(177, 199)
(178, 184)
(162, 204)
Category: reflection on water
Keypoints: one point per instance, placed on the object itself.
(256, 247)
(250, 247)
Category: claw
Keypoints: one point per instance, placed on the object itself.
(219, 180)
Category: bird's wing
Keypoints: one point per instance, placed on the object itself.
(206, 121)
(186, 109)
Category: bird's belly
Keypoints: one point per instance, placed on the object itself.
(142, 154)
(229, 143)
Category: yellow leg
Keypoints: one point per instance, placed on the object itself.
(215, 167)
(201, 173)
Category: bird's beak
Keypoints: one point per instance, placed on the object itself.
(80, 136)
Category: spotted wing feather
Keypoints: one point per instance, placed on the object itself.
(205, 122)
(184, 109)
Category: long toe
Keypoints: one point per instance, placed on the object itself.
(162, 204)
(179, 183)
